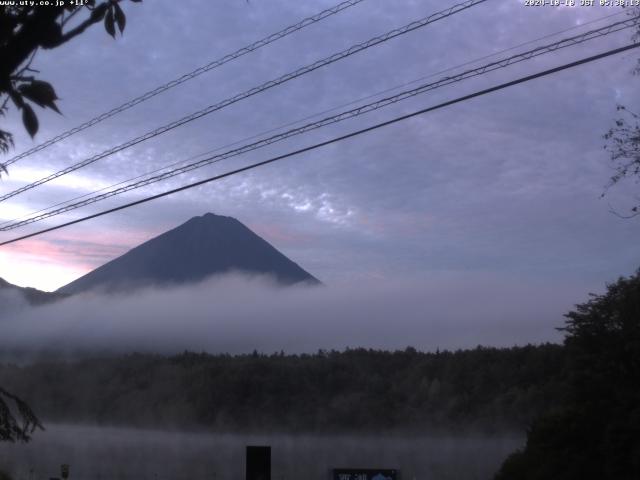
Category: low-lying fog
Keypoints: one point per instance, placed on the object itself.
(237, 314)
(117, 453)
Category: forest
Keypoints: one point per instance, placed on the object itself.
(489, 389)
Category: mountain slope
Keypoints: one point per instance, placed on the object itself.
(31, 295)
(203, 246)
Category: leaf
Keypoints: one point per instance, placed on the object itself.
(17, 98)
(136, 1)
(41, 93)
(109, 24)
(6, 141)
(29, 119)
(121, 19)
(50, 35)
(97, 13)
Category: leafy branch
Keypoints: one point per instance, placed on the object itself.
(14, 429)
(623, 145)
(26, 29)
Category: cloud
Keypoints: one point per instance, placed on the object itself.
(238, 314)
(13, 302)
(508, 181)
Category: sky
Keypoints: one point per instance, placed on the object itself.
(501, 190)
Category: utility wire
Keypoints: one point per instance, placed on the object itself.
(265, 86)
(315, 115)
(334, 140)
(503, 63)
(188, 76)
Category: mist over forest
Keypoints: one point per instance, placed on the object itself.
(288, 359)
(78, 369)
(253, 361)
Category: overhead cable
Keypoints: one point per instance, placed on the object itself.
(253, 91)
(317, 114)
(333, 140)
(189, 76)
(355, 112)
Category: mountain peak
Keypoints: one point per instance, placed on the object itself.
(204, 245)
(212, 217)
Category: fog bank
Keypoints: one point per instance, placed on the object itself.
(237, 314)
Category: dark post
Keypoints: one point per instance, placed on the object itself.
(258, 463)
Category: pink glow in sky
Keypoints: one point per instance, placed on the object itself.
(51, 261)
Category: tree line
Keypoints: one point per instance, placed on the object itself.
(491, 389)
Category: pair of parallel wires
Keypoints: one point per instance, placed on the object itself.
(567, 42)
(357, 48)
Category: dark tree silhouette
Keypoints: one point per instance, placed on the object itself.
(17, 420)
(24, 29)
(623, 141)
(623, 144)
(596, 433)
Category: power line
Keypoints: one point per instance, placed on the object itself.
(317, 114)
(342, 116)
(334, 140)
(498, 64)
(191, 75)
(265, 86)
